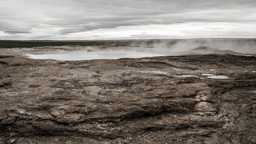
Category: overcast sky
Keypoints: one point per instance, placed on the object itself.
(126, 19)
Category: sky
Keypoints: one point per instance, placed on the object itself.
(126, 19)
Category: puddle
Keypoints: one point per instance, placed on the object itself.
(184, 76)
(155, 72)
(207, 74)
(212, 76)
(218, 77)
(91, 55)
(204, 75)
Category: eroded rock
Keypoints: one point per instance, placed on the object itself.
(112, 101)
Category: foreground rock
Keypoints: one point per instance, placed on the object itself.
(188, 99)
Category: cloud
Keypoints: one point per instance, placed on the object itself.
(47, 19)
(12, 29)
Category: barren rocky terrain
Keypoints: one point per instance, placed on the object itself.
(162, 100)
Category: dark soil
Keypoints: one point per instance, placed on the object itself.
(128, 100)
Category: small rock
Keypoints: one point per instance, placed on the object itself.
(205, 107)
(12, 141)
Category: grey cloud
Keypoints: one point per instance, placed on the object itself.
(12, 29)
(73, 16)
(114, 14)
(14, 32)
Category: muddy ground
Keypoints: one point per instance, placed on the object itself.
(160, 100)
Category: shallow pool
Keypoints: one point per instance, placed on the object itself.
(218, 77)
(90, 55)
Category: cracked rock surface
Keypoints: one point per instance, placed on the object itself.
(149, 100)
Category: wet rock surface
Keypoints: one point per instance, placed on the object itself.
(147, 100)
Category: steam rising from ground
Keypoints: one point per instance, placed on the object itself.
(140, 49)
(201, 46)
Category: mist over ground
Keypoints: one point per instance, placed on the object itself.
(199, 46)
(115, 49)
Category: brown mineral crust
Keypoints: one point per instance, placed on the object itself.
(128, 100)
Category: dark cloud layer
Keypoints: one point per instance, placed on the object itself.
(32, 19)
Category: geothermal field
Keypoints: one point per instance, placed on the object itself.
(140, 92)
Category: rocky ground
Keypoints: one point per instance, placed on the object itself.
(163, 100)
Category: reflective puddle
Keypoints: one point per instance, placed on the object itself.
(155, 72)
(185, 76)
(91, 55)
(217, 77)
(203, 75)
(207, 74)
(212, 76)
